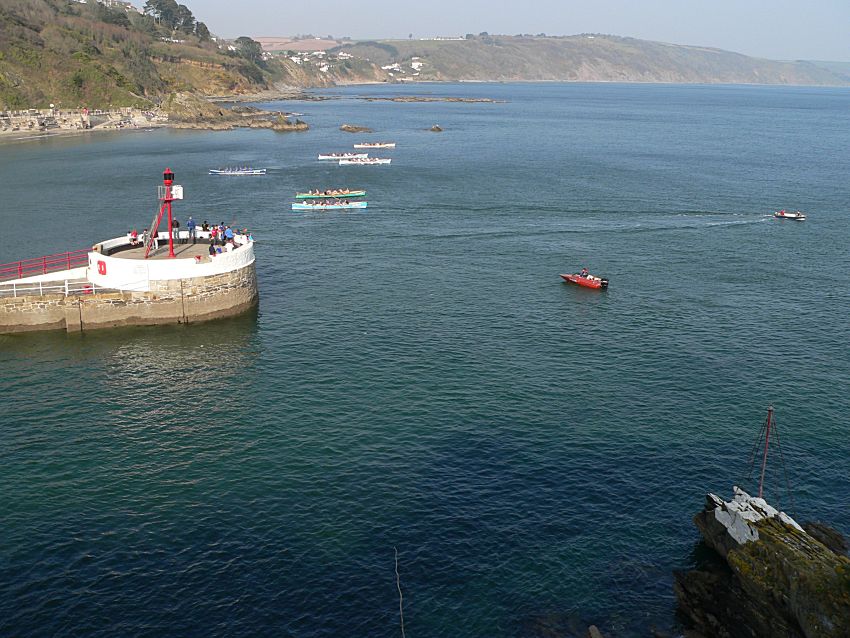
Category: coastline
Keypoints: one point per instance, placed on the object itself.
(130, 119)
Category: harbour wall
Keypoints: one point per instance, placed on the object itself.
(168, 301)
(140, 275)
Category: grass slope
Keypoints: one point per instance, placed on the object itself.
(71, 54)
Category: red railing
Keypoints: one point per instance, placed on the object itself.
(44, 265)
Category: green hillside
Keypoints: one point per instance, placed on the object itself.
(73, 54)
(580, 58)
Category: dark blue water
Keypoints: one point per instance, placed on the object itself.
(417, 376)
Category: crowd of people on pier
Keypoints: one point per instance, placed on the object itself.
(222, 237)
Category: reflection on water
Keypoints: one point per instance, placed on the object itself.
(140, 369)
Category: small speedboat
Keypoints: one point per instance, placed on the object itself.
(328, 206)
(333, 194)
(784, 214)
(588, 281)
(238, 171)
(375, 145)
(367, 161)
(341, 156)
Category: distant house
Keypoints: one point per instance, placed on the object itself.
(118, 4)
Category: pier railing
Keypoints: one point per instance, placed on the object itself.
(44, 265)
(68, 287)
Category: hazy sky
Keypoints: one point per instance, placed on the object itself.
(779, 29)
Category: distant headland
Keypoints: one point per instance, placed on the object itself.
(105, 56)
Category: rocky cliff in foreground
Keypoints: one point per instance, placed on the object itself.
(774, 579)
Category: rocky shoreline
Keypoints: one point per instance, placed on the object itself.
(189, 111)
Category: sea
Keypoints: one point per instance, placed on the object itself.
(422, 430)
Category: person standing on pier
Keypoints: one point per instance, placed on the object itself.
(175, 230)
(191, 226)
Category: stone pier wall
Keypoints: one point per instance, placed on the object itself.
(175, 301)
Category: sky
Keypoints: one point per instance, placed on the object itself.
(777, 29)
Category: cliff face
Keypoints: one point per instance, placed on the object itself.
(580, 58)
(776, 580)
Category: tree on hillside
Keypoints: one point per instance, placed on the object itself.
(161, 10)
(184, 21)
(112, 16)
(249, 49)
(202, 32)
(168, 13)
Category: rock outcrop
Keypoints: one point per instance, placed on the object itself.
(775, 579)
(436, 128)
(828, 536)
(186, 110)
(351, 128)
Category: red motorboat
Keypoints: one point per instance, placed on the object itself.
(588, 281)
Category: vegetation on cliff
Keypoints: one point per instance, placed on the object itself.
(72, 54)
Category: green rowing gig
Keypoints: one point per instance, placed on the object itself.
(331, 195)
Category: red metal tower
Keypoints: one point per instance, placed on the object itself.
(767, 426)
(168, 192)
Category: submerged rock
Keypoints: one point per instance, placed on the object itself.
(436, 128)
(776, 579)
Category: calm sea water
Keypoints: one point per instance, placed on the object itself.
(417, 376)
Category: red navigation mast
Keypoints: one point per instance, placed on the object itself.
(168, 192)
(767, 425)
(768, 438)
